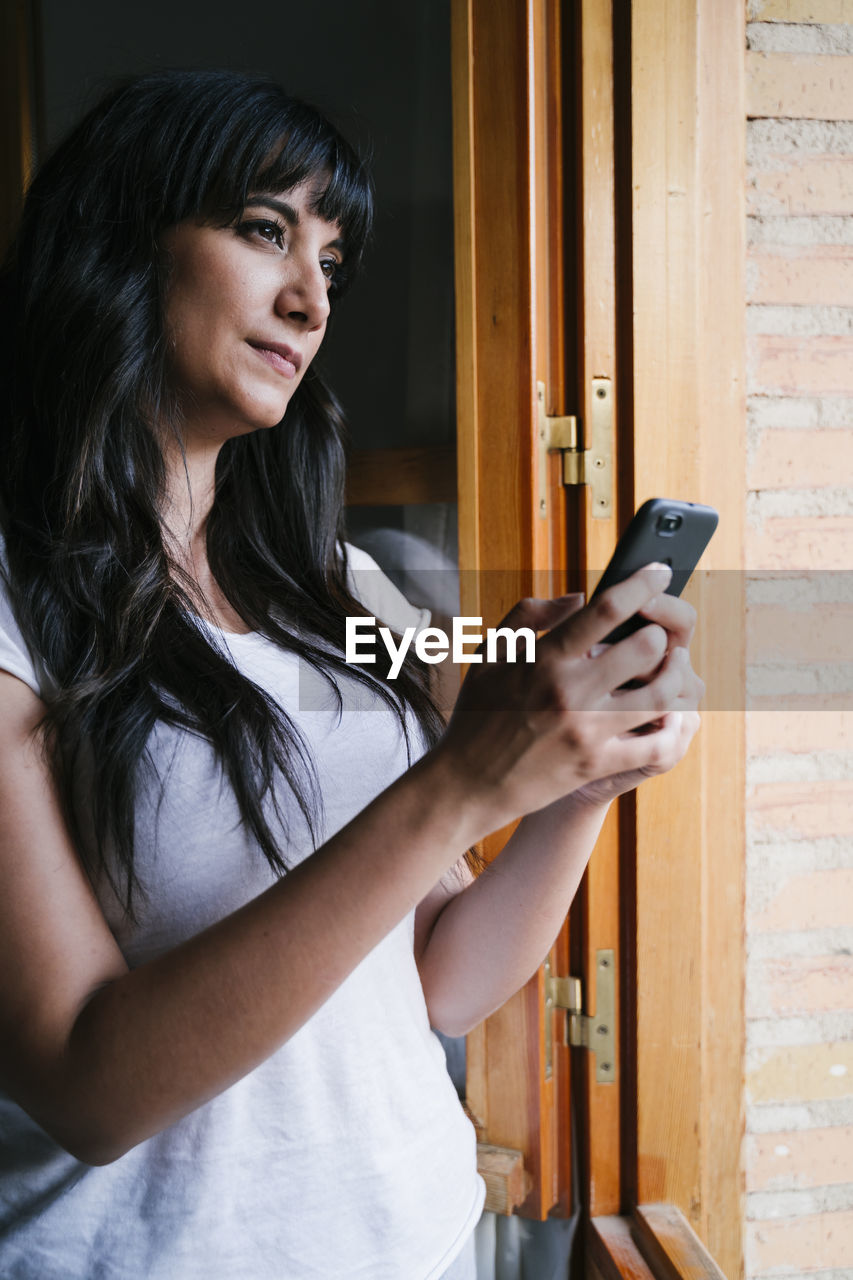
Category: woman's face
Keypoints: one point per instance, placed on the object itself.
(245, 311)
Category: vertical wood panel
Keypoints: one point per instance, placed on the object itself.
(681, 310)
(596, 918)
(666, 460)
(504, 295)
(688, 210)
(467, 436)
(503, 234)
(722, 418)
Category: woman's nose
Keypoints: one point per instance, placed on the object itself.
(304, 295)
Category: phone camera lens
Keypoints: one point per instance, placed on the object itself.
(668, 522)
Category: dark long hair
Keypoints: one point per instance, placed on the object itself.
(82, 474)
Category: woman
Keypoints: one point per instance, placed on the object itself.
(233, 882)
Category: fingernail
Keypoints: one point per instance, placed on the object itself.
(657, 568)
(570, 596)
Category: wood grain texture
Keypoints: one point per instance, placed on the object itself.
(464, 235)
(722, 433)
(655, 1243)
(612, 1251)
(671, 1246)
(668, 906)
(507, 1183)
(503, 290)
(596, 916)
(501, 148)
(644, 321)
(688, 217)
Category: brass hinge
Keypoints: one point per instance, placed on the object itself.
(592, 465)
(596, 1032)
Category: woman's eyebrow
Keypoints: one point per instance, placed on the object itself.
(287, 211)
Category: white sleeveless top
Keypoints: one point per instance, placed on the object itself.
(344, 1156)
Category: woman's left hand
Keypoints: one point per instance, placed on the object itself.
(479, 945)
(677, 728)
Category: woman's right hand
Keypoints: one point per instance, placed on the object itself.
(523, 735)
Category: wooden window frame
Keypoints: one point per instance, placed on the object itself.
(678, 355)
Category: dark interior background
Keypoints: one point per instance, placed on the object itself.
(381, 70)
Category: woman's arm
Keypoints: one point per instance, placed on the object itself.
(479, 942)
(103, 1057)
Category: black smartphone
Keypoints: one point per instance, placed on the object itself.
(662, 531)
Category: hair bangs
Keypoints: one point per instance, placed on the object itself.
(344, 193)
(267, 141)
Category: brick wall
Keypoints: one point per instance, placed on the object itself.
(799, 1100)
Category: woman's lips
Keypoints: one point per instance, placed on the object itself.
(283, 359)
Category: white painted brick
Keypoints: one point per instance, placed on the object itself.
(800, 322)
(767, 139)
(753, 441)
(835, 412)
(788, 855)
(775, 1117)
(800, 768)
(771, 863)
(825, 1273)
(800, 230)
(752, 277)
(783, 682)
(798, 591)
(767, 869)
(799, 37)
(807, 943)
(763, 883)
(769, 503)
(785, 984)
(766, 677)
(794, 624)
(815, 1028)
(784, 411)
(794, 1204)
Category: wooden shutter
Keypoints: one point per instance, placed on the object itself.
(509, 275)
(599, 206)
(676, 1206)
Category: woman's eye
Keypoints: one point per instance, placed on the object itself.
(329, 266)
(266, 229)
